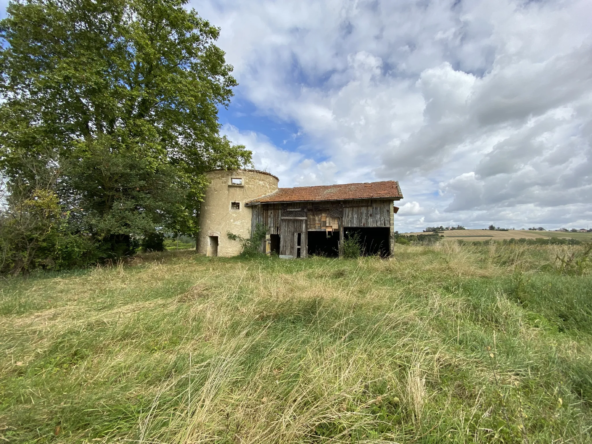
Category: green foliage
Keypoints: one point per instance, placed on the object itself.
(251, 246)
(112, 106)
(153, 242)
(179, 242)
(427, 239)
(73, 251)
(575, 263)
(352, 246)
(34, 233)
(402, 240)
(28, 232)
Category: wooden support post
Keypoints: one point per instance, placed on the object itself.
(392, 231)
(341, 237)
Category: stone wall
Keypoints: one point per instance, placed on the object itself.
(224, 210)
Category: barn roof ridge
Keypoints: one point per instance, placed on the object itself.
(388, 189)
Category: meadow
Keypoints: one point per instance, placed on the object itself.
(442, 343)
(488, 235)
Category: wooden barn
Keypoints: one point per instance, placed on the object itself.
(306, 221)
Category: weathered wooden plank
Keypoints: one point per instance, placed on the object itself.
(392, 230)
(290, 228)
(304, 241)
(367, 214)
(362, 213)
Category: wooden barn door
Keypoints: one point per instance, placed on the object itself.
(293, 238)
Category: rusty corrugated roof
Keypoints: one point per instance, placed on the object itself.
(351, 191)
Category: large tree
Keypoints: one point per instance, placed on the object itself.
(113, 105)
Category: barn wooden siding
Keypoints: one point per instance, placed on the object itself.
(321, 215)
(291, 229)
(372, 213)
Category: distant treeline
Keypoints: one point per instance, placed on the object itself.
(441, 228)
(405, 239)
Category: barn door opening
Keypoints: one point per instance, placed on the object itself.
(374, 241)
(274, 241)
(323, 243)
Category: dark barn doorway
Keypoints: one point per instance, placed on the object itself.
(374, 241)
(213, 246)
(274, 244)
(324, 244)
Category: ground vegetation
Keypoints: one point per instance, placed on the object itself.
(443, 343)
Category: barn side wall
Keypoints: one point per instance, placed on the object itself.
(324, 216)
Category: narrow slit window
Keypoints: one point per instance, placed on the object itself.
(236, 181)
(235, 205)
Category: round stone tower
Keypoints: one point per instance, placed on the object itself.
(223, 209)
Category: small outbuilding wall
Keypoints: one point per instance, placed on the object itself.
(223, 209)
(292, 223)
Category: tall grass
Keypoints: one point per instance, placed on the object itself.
(447, 343)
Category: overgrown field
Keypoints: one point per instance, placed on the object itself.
(445, 343)
(487, 235)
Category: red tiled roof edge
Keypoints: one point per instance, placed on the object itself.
(351, 191)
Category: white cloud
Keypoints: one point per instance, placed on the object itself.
(293, 169)
(482, 110)
(411, 209)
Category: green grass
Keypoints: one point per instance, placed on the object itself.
(446, 343)
(172, 244)
(587, 237)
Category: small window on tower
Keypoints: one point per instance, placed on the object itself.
(236, 181)
(235, 205)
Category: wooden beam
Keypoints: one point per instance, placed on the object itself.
(341, 238)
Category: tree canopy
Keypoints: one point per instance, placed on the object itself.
(113, 106)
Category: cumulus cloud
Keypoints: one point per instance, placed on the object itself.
(411, 209)
(482, 110)
(293, 169)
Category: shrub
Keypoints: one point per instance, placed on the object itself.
(117, 246)
(251, 246)
(29, 232)
(352, 246)
(421, 238)
(179, 242)
(75, 251)
(575, 263)
(402, 241)
(36, 233)
(153, 242)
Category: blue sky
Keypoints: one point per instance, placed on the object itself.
(482, 110)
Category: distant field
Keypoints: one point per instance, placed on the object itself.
(477, 235)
